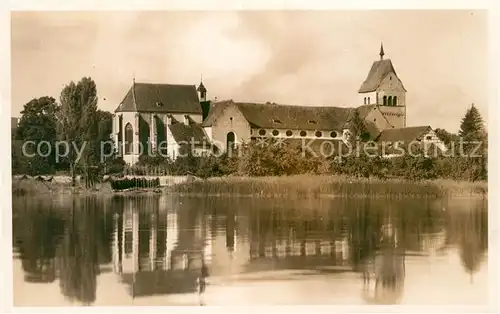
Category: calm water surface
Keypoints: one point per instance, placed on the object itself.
(153, 250)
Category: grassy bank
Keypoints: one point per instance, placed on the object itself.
(296, 187)
(307, 186)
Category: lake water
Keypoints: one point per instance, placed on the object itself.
(154, 250)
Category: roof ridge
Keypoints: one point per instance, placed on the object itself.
(163, 84)
(289, 105)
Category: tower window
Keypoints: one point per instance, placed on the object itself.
(389, 101)
(318, 133)
(395, 101)
(428, 137)
(364, 102)
(262, 132)
(385, 100)
(289, 133)
(303, 133)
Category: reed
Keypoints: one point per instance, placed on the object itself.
(307, 186)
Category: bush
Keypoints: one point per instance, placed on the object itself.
(123, 184)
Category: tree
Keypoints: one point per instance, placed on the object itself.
(357, 128)
(473, 133)
(37, 124)
(446, 136)
(472, 127)
(78, 123)
(104, 130)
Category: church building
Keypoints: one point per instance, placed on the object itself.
(174, 118)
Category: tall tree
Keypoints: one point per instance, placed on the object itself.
(78, 123)
(104, 130)
(473, 133)
(472, 127)
(37, 124)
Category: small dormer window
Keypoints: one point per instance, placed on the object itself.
(312, 122)
(276, 121)
(159, 104)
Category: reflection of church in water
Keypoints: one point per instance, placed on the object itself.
(164, 251)
(153, 255)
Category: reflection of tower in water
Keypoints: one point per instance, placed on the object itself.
(172, 235)
(130, 240)
(231, 232)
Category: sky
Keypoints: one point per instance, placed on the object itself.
(289, 57)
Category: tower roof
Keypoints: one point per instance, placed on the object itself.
(201, 88)
(378, 72)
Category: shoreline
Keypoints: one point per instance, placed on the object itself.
(302, 187)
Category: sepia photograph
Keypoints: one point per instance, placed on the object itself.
(242, 158)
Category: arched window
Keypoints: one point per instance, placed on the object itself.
(129, 139)
(364, 101)
(385, 100)
(389, 101)
(230, 141)
(395, 101)
(368, 102)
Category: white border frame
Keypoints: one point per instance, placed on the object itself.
(64, 5)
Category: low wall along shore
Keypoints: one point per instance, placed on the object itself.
(22, 184)
(164, 180)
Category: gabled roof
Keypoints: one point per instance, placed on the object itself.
(403, 134)
(364, 110)
(370, 126)
(184, 134)
(148, 97)
(284, 116)
(378, 72)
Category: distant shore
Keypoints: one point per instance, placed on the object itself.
(301, 186)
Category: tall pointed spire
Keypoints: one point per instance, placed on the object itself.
(381, 51)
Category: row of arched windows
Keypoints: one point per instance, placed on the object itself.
(387, 100)
(289, 133)
(390, 100)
